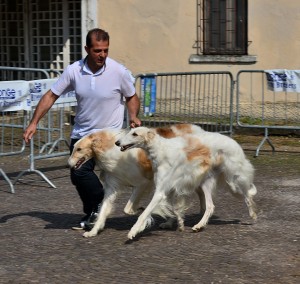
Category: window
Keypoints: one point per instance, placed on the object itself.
(222, 27)
(40, 33)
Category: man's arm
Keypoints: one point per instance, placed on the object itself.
(45, 103)
(133, 106)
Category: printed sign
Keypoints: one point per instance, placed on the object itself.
(23, 95)
(14, 96)
(38, 88)
(148, 86)
(282, 80)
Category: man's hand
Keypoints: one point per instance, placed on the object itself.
(135, 123)
(29, 132)
(45, 103)
(133, 107)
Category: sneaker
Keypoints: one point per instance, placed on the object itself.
(92, 219)
(87, 222)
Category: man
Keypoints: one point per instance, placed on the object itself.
(100, 84)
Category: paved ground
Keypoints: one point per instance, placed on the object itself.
(38, 246)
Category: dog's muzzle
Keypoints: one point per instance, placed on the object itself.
(124, 147)
(79, 163)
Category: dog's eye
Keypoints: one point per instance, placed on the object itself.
(78, 149)
(134, 134)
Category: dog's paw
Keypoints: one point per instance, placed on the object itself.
(90, 234)
(254, 216)
(180, 228)
(131, 235)
(196, 229)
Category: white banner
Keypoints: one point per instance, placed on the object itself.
(282, 80)
(23, 95)
(39, 87)
(14, 96)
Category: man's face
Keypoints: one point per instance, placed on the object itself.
(97, 53)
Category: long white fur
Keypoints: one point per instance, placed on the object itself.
(185, 164)
(121, 170)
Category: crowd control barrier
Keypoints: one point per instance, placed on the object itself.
(202, 98)
(11, 142)
(18, 100)
(268, 99)
(20, 73)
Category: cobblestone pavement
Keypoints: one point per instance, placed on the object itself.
(38, 246)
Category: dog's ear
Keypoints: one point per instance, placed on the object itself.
(95, 142)
(150, 134)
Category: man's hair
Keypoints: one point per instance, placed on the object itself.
(100, 35)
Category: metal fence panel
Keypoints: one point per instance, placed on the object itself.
(51, 139)
(17, 104)
(22, 73)
(11, 142)
(260, 107)
(202, 98)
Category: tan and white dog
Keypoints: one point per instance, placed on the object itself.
(186, 163)
(121, 170)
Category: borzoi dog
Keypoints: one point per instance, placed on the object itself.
(119, 170)
(184, 164)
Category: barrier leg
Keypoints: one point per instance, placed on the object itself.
(37, 172)
(12, 189)
(32, 169)
(266, 138)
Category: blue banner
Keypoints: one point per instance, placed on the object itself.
(148, 86)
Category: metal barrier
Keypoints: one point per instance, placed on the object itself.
(17, 102)
(50, 139)
(260, 107)
(11, 143)
(202, 98)
(20, 73)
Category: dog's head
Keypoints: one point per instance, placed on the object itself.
(81, 153)
(90, 146)
(136, 138)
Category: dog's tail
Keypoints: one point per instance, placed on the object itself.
(239, 176)
(240, 181)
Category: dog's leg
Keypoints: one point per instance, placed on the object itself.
(207, 187)
(105, 209)
(201, 197)
(145, 218)
(138, 193)
(250, 203)
(180, 221)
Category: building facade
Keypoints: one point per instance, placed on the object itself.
(154, 36)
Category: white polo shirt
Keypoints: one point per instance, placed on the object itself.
(100, 103)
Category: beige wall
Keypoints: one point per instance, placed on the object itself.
(158, 35)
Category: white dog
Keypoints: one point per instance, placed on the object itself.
(183, 164)
(119, 170)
